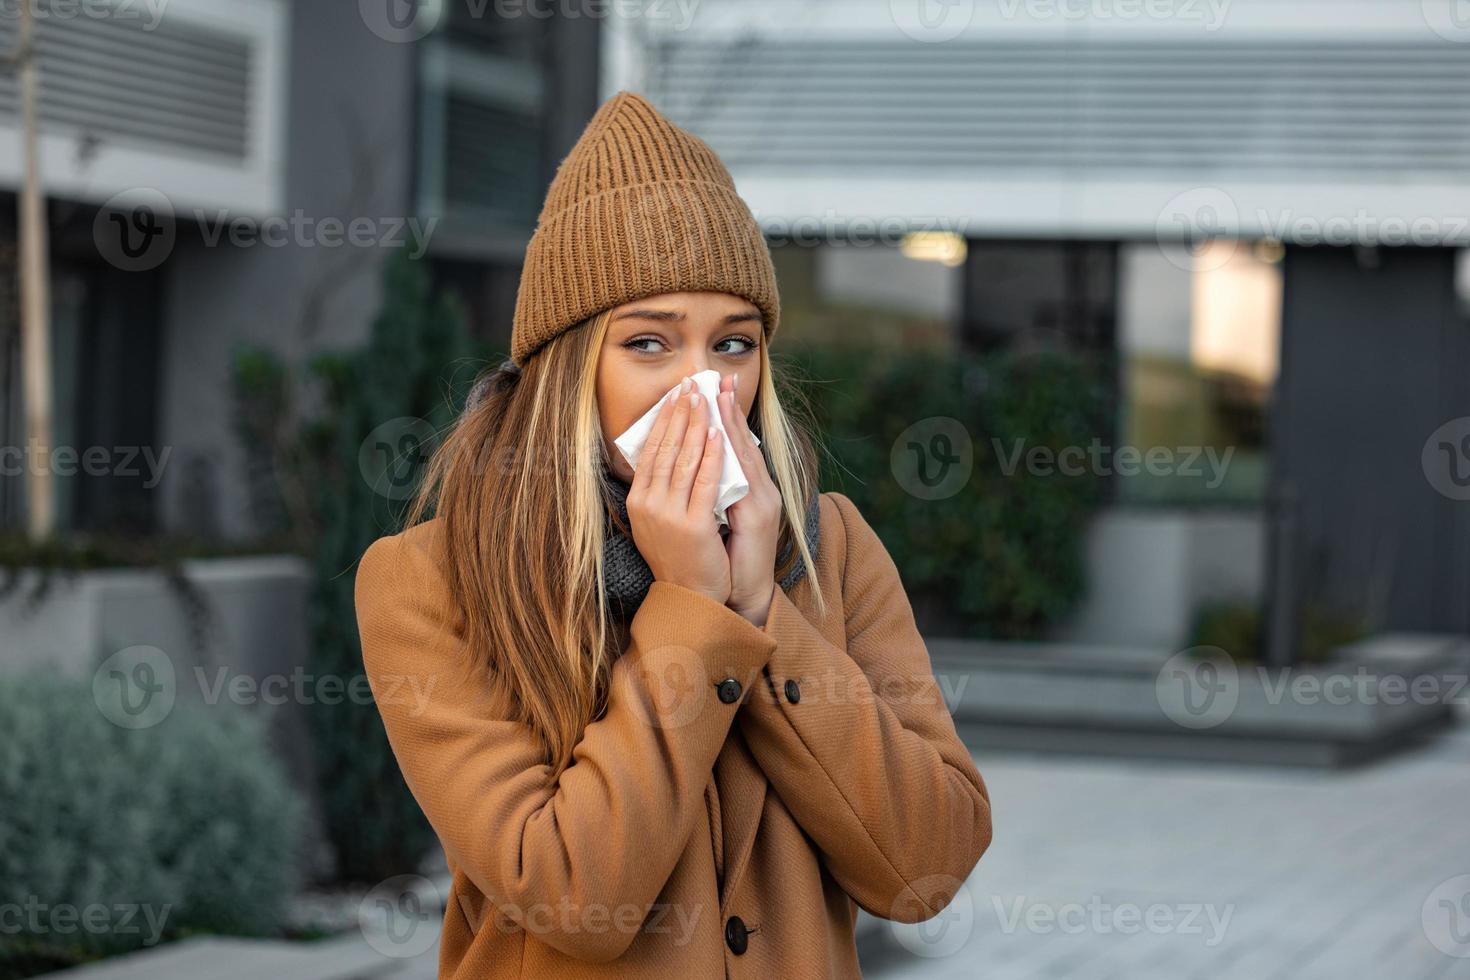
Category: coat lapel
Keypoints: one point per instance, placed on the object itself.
(742, 785)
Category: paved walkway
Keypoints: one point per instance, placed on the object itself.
(1120, 869)
(1250, 873)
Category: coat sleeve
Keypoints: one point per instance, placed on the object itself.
(867, 758)
(576, 861)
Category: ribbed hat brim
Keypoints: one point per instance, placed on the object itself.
(612, 245)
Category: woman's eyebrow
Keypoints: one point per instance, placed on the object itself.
(665, 315)
(670, 316)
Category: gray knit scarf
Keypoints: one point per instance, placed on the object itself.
(629, 577)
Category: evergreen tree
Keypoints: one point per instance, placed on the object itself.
(356, 465)
(397, 392)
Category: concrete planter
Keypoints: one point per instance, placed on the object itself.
(254, 641)
(1374, 696)
(256, 610)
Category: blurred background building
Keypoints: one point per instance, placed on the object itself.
(1214, 253)
(996, 176)
(225, 111)
(1041, 175)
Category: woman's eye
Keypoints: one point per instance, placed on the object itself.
(650, 345)
(749, 345)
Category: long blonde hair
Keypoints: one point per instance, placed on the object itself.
(519, 487)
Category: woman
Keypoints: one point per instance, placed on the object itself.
(648, 748)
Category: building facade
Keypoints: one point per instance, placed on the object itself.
(1258, 207)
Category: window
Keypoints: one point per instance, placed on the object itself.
(482, 123)
(1198, 342)
(889, 291)
(1040, 295)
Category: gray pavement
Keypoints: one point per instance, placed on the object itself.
(1122, 869)
(1128, 869)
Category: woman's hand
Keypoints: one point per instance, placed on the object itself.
(671, 502)
(755, 519)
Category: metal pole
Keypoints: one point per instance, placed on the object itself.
(35, 299)
(1282, 633)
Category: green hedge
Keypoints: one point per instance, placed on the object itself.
(1002, 557)
(1238, 628)
(402, 387)
(190, 822)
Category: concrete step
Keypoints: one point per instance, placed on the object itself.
(1091, 700)
(217, 958)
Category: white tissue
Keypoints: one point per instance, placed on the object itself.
(733, 485)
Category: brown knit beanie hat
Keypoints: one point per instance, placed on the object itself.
(638, 207)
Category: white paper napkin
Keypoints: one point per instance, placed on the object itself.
(733, 485)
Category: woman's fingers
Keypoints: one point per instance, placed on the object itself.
(643, 472)
(707, 479)
(741, 420)
(666, 447)
(684, 472)
(736, 425)
(679, 462)
(691, 450)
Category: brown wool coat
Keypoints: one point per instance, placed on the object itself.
(832, 779)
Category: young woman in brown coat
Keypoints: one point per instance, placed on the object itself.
(650, 745)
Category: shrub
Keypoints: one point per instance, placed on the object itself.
(410, 376)
(189, 822)
(1236, 627)
(1002, 557)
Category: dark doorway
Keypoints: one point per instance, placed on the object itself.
(1375, 359)
(1023, 294)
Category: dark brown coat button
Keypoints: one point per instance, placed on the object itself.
(793, 692)
(729, 690)
(736, 935)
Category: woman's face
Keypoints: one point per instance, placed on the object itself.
(655, 342)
